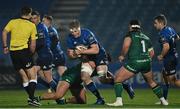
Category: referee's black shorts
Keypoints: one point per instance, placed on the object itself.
(22, 59)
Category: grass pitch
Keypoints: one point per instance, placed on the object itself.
(144, 98)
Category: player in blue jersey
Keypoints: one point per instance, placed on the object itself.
(168, 54)
(44, 54)
(81, 43)
(59, 61)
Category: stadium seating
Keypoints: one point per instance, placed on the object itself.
(109, 19)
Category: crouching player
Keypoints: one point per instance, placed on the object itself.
(70, 80)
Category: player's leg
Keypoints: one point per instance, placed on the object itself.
(173, 80)
(86, 72)
(165, 86)
(25, 80)
(48, 75)
(41, 78)
(78, 95)
(62, 88)
(121, 75)
(27, 65)
(170, 70)
(109, 79)
(155, 87)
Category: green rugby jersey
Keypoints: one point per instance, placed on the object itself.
(140, 46)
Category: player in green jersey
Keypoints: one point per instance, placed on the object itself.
(138, 50)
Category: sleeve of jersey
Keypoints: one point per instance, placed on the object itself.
(55, 33)
(91, 39)
(48, 41)
(9, 26)
(34, 32)
(163, 39)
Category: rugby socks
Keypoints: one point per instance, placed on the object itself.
(128, 89)
(126, 86)
(92, 87)
(165, 90)
(118, 87)
(158, 91)
(43, 82)
(32, 87)
(25, 85)
(53, 85)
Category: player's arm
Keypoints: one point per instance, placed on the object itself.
(4, 41)
(164, 51)
(151, 52)
(94, 49)
(125, 48)
(71, 53)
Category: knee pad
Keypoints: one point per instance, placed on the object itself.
(87, 68)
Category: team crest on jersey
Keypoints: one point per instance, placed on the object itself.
(44, 67)
(28, 64)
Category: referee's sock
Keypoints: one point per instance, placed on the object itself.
(32, 87)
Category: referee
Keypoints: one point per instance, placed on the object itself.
(22, 46)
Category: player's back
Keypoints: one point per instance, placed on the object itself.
(21, 30)
(140, 46)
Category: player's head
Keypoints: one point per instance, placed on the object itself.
(160, 22)
(26, 11)
(47, 20)
(74, 28)
(134, 25)
(35, 17)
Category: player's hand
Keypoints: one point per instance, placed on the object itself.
(160, 57)
(121, 58)
(71, 53)
(79, 52)
(5, 50)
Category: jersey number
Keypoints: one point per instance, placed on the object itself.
(143, 46)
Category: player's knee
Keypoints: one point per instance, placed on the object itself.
(86, 68)
(85, 77)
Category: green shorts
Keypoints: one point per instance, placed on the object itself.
(73, 75)
(137, 66)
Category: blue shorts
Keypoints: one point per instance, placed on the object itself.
(59, 60)
(101, 59)
(170, 64)
(45, 58)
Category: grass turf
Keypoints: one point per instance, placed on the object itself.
(144, 98)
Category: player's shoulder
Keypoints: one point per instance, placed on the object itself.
(53, 29)
(86, 32)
